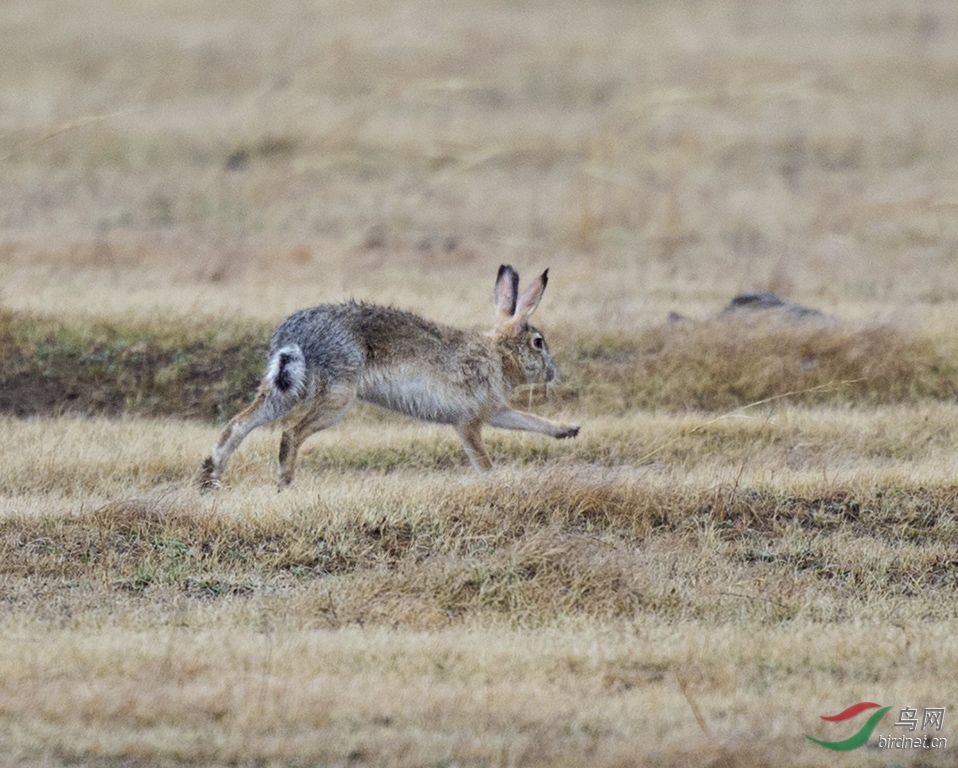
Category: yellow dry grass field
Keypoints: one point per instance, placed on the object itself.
(756, 525)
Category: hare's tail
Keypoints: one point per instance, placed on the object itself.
(287, 370)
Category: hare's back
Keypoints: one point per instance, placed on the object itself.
(325, 336)
(365, 334)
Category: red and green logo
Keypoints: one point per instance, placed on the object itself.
(863, 733)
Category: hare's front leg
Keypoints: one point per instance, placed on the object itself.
(528, 422)
(470, 433)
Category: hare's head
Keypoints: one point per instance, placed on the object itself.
(525, 354)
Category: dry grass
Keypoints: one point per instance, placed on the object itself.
(373, 696)
(404, 611)
(691, 582)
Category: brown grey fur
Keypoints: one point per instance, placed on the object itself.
(321, 360)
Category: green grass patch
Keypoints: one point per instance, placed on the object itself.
(50, 366)
(724, 364)
(534, 552)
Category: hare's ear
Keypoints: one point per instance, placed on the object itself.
(530, 298)
(505, 292)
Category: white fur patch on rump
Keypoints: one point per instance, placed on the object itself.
(287, 370)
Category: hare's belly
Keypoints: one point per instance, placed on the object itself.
(413, 394)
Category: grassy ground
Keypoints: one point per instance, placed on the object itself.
(701, 606)
(757, 523)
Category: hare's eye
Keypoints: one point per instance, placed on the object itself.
(538, 342)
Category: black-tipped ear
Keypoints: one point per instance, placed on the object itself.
(506, 291)
(530, 297)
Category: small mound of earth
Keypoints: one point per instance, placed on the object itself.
(766, 304)
(759, 301)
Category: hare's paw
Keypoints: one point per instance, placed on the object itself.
(567, 430)
(205, 480)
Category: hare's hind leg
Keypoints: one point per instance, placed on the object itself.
(264, 409)
(325, 412)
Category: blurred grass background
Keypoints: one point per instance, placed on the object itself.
(251, 159)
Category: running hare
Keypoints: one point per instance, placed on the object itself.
(321, 360)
